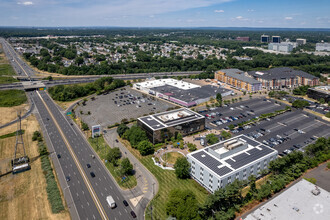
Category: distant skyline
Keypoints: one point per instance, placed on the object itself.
(166, 13)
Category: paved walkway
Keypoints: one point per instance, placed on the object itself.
(147, 184)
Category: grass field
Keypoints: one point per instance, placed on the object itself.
(171, 157)
(6, 70)
(102, 149)
(7, 80)
(23, 195)
(9, 98)
(167, 181)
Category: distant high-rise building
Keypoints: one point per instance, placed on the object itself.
(301, 41)
(264, 38)
(276, 39)
(246, 39)
(282, 47)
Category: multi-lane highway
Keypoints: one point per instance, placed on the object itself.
(88, 193)
(20, 67)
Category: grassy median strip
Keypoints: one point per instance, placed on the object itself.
(53, 192)
(167, 181)
(12, 97)
(102, 149)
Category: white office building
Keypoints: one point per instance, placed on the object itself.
(237, 158)
(286, 47)
(322, 47)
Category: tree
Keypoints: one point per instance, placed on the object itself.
(113, 155)
(145, 148)
(225, 134)
(322, 101)
(211, 139)
(219, 98)
(135, 135)
(182, 204)
(84, 126)
(298, 103)
(121, 129)
(192, 147)
(126, 166)
(182, 167)
(231, 127)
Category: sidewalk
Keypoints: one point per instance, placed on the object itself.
(147, 184)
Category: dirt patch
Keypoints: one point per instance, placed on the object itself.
(9, 114)
(23, 195)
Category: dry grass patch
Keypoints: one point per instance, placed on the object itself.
(171, 157)
(9, 114)
(23, 195)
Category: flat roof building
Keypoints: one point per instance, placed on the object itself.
(264, 38)
(283, 77)
(286, 47)
(180, 92)
(238, 79)
(237, 158)
(169, 124)
(322, 47)
(300, 41)
(302, 201)
(319, 92)
(276, 39)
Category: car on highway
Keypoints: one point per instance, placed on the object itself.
(88, 165)
(92, 174)
(68, 178)
(133, 214)
(59, 156)
(125, 203)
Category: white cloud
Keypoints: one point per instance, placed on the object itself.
(219, 11)
(151, 16)
(25, 3)
(241, 18)
(250, 10)
(288, 18)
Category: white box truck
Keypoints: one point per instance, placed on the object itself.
(111, 202)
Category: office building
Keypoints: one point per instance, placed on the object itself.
(237, 158)
(319, 92)
(322, 47)
(276, 39)
(180, 92)
(245, 39)
(238, 79)
(284, 77)
(303, 201)
(264, 38)
(286, 47)
(301, 41)
(162, 126)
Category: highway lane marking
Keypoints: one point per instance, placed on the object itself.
(16, 61)
(119, 213)
(91, 190)
(88, 203)
(105, 189)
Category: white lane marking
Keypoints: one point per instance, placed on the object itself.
(88, 203)
(119, 213)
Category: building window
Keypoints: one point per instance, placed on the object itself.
(193, 162)
(237, 175)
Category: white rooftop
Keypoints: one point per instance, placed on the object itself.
(172, 82)
(296, 203)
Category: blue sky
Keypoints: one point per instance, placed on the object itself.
(167, 13)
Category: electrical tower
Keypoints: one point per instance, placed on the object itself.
(21, 163)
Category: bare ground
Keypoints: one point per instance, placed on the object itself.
(8, 114)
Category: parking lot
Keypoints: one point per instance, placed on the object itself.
(314, 106)
(115, 106)
(286, 132)
(290, 131)
(236, 113)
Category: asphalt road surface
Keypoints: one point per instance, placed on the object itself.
(88, 193)
(21, 68)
